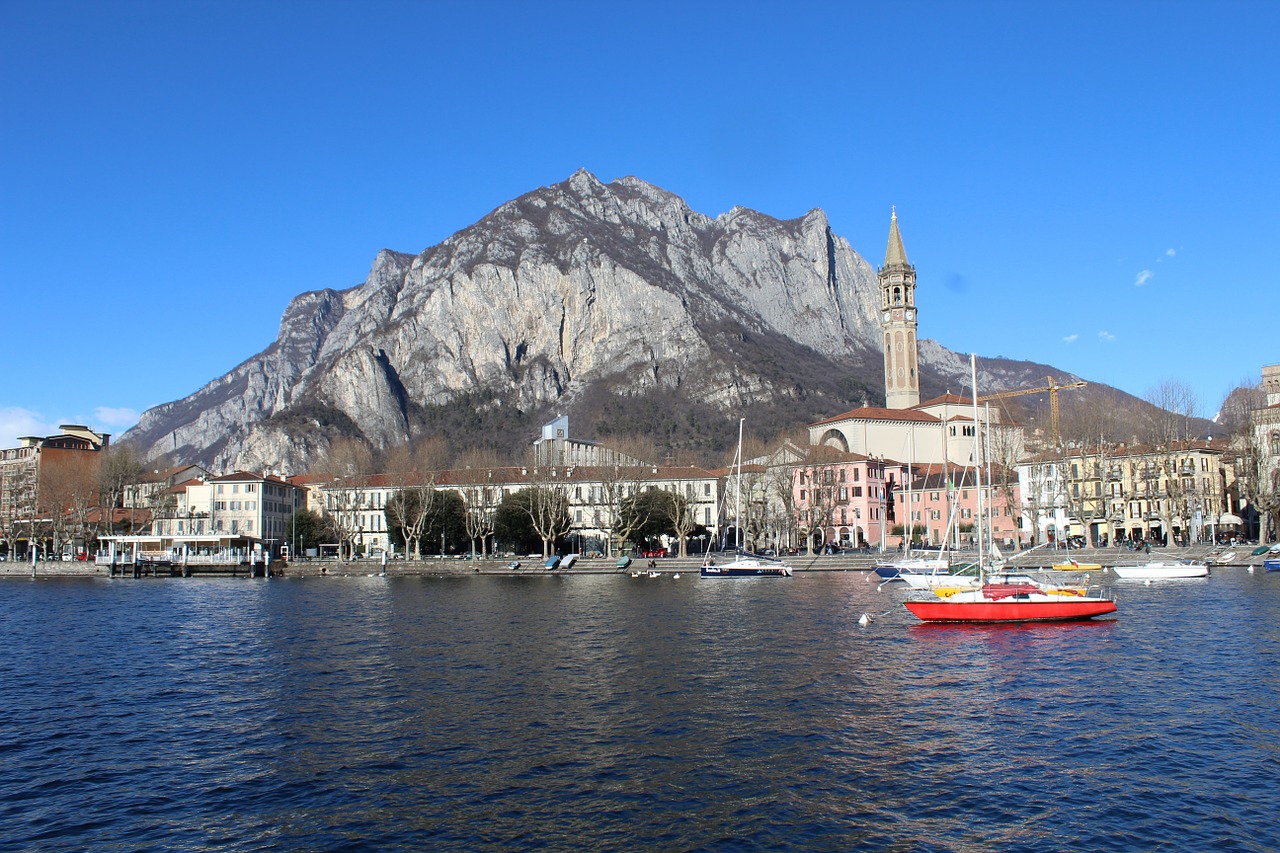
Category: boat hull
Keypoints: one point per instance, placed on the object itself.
(1162, 571)
(1068, 609)
(1077, 567)
(744, 572)
(1271, 565)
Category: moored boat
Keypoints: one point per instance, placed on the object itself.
(1011, 602)
(899, 569)
(1271, 565)
(1006, 598)
(1162, 570)
(746, 565)
(1077, 566)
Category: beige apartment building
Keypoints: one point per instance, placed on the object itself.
(1130, 493)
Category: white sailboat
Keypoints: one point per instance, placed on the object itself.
(744, 564)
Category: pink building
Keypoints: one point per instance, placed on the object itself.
(938, 498)
(839, 498)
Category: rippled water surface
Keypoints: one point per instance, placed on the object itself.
(611, 713)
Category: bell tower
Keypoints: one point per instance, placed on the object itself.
(898, 320)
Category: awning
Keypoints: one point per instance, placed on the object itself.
(1228, 518)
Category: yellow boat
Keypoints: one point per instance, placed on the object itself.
(1074, 566)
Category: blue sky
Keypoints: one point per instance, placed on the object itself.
(1090, 185)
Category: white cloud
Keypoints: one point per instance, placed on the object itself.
(16, 422)
(1071, 339)
(1106, 337)
(1169, 253)
(1143, 277)
(115, 417)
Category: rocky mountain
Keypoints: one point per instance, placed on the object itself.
(614, 303)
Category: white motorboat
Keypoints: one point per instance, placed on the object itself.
(1162, 569)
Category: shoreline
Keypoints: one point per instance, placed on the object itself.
(454, 566)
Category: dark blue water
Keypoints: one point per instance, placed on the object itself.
(610, 713)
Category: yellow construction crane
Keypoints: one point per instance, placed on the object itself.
(1052, 387)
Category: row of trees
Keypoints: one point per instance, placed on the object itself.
(535, 518)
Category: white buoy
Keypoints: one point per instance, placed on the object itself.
(676, 576)
(864, 619)
(1250, 568)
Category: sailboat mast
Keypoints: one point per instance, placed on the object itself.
(977, 460)
(911, 464)
(737, 493)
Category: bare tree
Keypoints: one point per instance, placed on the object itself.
(1169, 431)
(480, 500)
(622, 516)
(68, 490)
(1255, 442)
(548, 508)
(680, 515)
(779, 483)
(413, 471)
(118, 468)
(346, 466)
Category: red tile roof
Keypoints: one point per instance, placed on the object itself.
(871, 413)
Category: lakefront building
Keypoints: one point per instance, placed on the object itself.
(256, 508)
(48, 485)
(1136, 493)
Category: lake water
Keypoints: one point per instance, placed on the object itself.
(611, 713)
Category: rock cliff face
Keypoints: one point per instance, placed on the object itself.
(616, 303)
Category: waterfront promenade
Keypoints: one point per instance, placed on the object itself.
(1029, 560)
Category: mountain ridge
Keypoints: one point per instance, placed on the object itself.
(575, 298)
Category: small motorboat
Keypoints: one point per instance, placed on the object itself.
(1162, 570)
(1077, 566)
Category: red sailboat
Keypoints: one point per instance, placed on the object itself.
(1012, 599)
(1007, 598)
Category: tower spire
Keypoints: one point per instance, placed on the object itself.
(894, 253)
